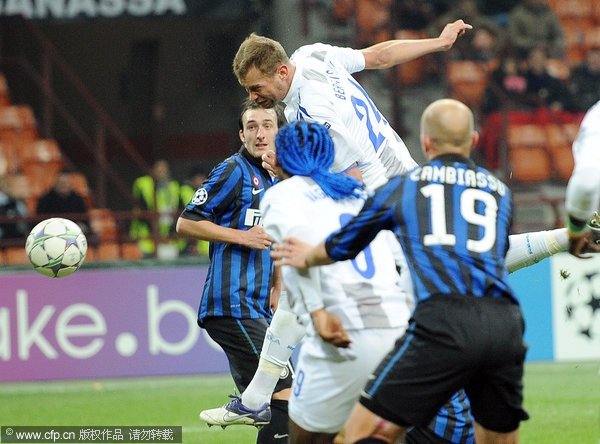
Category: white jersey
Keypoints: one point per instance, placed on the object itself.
(583, 190)
(324, 91)
(363, 292)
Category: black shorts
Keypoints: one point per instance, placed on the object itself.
(422, 435)
(454, 342)
(242, 341)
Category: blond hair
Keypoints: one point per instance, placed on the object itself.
(263, 53)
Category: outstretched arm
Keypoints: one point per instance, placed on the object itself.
(255, 237)
(394, 52)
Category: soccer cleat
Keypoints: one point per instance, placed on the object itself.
(236, 413)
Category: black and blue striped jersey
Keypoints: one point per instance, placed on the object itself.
(452, 218)
(239, 278)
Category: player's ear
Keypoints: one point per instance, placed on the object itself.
(283, 71)
(242, 138)
(474, 139)
(425, 144)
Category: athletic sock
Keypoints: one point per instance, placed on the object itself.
(529, 248)
(284, 333)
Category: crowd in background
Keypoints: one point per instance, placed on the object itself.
(531, 66)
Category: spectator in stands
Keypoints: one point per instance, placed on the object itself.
(507, 87)
(533, 24)
(544, 90)
(155, 192)
(11, 208)
(63, 201)
(584, 83)
(196, 177)
(413, 14)
(498, 10)
(483, 43)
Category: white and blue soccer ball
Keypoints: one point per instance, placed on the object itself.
(56, 247)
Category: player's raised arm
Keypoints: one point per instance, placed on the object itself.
(394, 52)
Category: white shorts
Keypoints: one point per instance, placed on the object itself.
(329, 380)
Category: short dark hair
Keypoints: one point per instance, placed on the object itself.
(250, 104)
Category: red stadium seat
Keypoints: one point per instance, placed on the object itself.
(343, 9)
(562, 161)
(103, 224)
(558, 68)
(561, 134)
(372, 21)
(131, 251)
(592, 37)
(108, 251)
(528, 135)
(413, 72)
(80, 185)
(4, 95)
(9, 159)
(17, 124)
(467, 81)
(572, 8)
(16, 256)
(528, 165)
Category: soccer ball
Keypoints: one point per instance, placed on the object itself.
(56, 247)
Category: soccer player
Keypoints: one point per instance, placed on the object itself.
(583, 189)
(316, 85)
(358, 304)
(452, 219)
(235, 306)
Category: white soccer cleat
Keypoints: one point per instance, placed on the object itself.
(236, 413)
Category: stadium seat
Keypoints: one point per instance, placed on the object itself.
(575, 31)
(17, 124)
(26, 189)
(40, 150)
(372, 21)
(560, 134)
(108, 251)
(572, 8)
(16, 256)
(131, 251)
(596, 12)
(4, 95)
(592, 38)
(562, 161)
(413, 72)
(527, 135)
(103, 224)
(343, 9)
(528, 165)
(9, 159)
(80, 185)
(558, 68)
(41, 160)
(467, 81)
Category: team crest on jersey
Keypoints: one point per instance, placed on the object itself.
(200, 197)
(255, 182)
